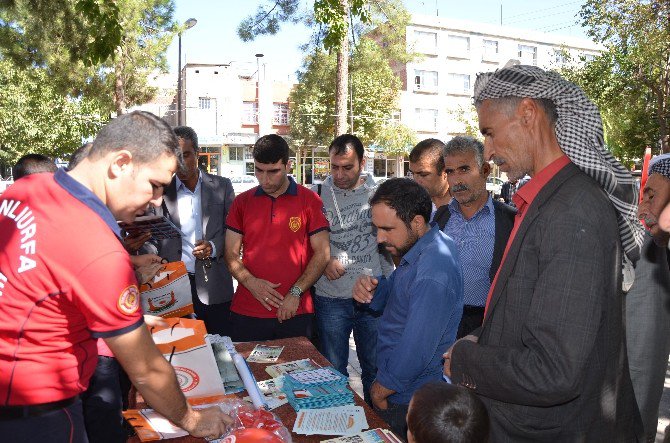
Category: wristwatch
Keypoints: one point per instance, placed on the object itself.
(295, 291)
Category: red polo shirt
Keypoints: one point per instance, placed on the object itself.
(275, 241)
(523, 199)
(65, 280)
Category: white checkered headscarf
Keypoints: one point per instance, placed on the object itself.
(660, 165)
(579, 130)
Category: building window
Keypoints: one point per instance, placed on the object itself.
(459, 84)
(560, 57)
(426, 42)
(589, 57)
(426, 119)
(459, 46)
(204, 102)
(236, 153)
(425, 80)
(528, 55)
(249, 113)
(280, 114)
(396, 116)
(490, 50)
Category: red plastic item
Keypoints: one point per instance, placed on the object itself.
(252, 435)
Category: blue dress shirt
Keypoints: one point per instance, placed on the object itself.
(423, 301)
(474, 239)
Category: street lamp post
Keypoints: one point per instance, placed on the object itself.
(191, 22)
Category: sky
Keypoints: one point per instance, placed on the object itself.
(214, 38)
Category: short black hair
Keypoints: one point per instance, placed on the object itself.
(78, 155)
(146, 136)
(270, 149)
(432, 147)
(347, 141)
(444, 412)
(33, 164)
(187, 133)
(406, 197)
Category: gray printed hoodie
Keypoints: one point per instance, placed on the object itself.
(353, 239)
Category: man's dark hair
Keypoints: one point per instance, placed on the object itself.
(405, 197)
(33, 164)
(347, 141)
(463, 144)
(187, 133)
(78, 155)
(146, 136)
(432, 147)
(444, 412)
(270, 149)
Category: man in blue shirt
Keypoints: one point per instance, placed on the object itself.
(422, 299)
(479, 226)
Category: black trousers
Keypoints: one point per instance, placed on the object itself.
(216, 317)
(244, 328)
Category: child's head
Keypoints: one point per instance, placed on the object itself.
(441, 412)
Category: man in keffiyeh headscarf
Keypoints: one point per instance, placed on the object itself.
(549, 360)
(648, 301)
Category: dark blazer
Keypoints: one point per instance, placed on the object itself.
(504, 221)
(214, 285)
(551, 363)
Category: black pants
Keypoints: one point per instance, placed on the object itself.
(244, 328)
(65, 425)
(216, 317)
(102, 403)
(473, 316)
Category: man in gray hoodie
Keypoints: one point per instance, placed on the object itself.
(353, 250)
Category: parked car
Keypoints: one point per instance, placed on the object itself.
(4, 184)
(243, 183)
(494, 185)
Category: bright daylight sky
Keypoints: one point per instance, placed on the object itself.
(214, 39)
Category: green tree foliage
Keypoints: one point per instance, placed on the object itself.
(36, 118)
(374, 85)
(375, 90)
(87, 30)
(53, 45)
(631, 81)
(396, 139)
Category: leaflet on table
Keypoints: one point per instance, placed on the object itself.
(341, 420)
(377, 435)
(265, 354)
(232, 382)
(150, 425)
(291, 366)
(272, 391)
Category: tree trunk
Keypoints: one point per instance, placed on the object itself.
(119, 88)
(342, 85)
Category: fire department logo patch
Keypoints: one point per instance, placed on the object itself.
(294, 224)
(129, 300)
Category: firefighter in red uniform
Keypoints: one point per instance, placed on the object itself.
(65, 280)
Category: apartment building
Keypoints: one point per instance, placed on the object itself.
(436, 99)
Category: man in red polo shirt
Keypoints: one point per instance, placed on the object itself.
(284, 236)
(65, 280)
(549, 361)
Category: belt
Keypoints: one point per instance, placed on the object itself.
(15, 412)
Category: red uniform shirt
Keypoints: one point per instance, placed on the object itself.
(275, 241)
(65, 280)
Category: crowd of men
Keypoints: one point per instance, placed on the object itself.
(551, 307)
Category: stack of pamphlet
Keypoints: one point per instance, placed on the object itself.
(317, 388)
